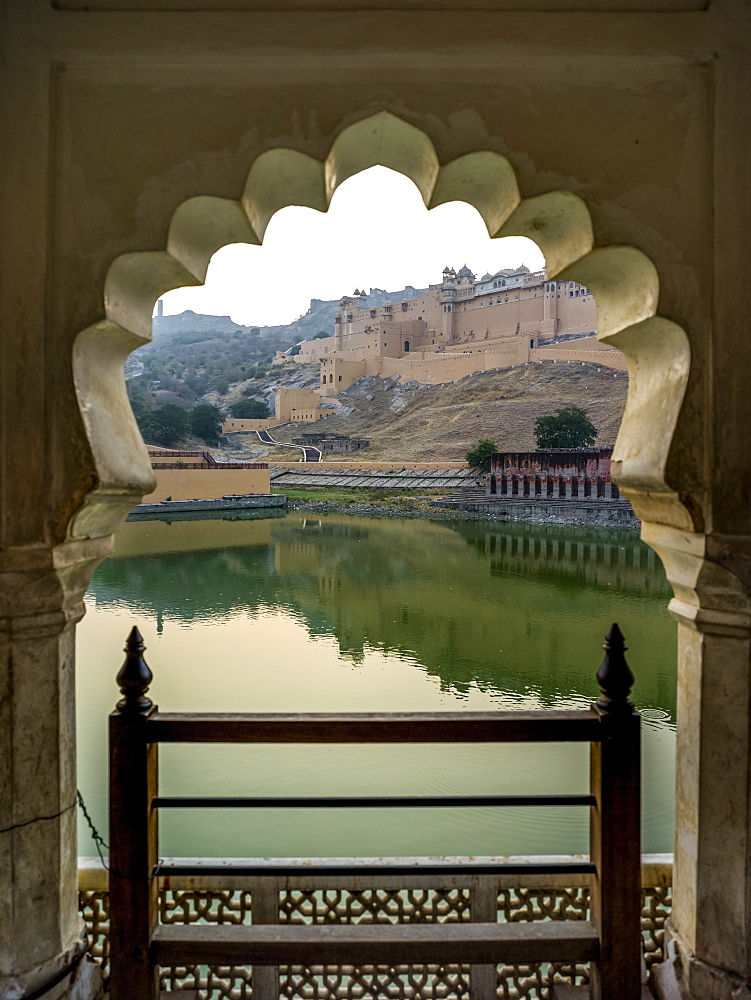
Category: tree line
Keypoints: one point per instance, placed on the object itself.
(170, 424)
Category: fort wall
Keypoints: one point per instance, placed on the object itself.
(208, 483)
(370, 466)
(459, 327)
(298, 406)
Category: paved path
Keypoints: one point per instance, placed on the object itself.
(309, 454)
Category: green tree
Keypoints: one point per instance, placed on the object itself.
(322, 335)
(166, 426)
(295, 350)
(205, 422)
(479, 457)
(248, 409)
(221, 384)
(568, 428)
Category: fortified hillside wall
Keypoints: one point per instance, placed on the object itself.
(459, 327)
(299, 406)
(338, 374)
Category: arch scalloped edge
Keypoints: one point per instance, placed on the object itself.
(625, 285)
(133, 284)
(279, 178)
(203, 225)
(485, 180)
(122, 463)
(658, 355)
(623, 280)
(384, 140)
(558, 222)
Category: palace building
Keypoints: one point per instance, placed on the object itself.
(461, 325)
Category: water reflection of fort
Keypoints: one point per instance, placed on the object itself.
(504, 607)
(617, 559)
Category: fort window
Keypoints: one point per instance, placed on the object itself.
(406, 345)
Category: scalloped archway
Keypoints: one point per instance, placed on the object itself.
(623, 280)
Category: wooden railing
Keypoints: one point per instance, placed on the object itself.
(611, 941)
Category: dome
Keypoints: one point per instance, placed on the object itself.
(464, 272)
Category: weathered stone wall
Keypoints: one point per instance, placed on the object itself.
(554, 462)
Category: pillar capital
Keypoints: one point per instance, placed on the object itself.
(710, 575)
(42, 587)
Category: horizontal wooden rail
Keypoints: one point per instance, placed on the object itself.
(325, 867)
(611, 942)
(397, 727)
(381, 944)
(372, 802)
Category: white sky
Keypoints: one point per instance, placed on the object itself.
(377, 233)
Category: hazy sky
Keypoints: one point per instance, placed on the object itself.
(376, 233)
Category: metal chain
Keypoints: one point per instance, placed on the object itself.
(100, 843)
(96, 836)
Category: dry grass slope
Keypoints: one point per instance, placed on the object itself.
(412, 422)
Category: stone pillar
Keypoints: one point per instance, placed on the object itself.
(709, 932)
(42, 936)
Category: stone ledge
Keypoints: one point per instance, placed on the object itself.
(562, 991)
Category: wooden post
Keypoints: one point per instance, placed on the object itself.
(615, 831)
(133, 834)
(483, 909)
(264, 901)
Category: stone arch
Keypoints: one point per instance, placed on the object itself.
(622, 279)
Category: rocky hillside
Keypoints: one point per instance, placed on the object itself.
(416, 422)
(320, 316)
(196, 358)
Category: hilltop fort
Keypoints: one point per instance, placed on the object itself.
(459, 326)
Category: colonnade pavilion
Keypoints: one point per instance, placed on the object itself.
(140, 136)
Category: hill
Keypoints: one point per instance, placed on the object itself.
(195, 357)
(320, 315)
(412, 422)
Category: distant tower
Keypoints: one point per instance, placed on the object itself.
(160, 307)
(448, 299)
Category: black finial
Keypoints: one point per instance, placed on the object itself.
(614, 676)
(134, 676)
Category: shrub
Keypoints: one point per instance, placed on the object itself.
(568, 428)
(479, 457)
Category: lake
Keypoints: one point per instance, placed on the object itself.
(334, 612)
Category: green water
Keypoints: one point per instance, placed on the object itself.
(336, 613)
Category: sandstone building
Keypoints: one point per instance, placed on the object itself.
(459, 326)
(552, 472)
(290, 406)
